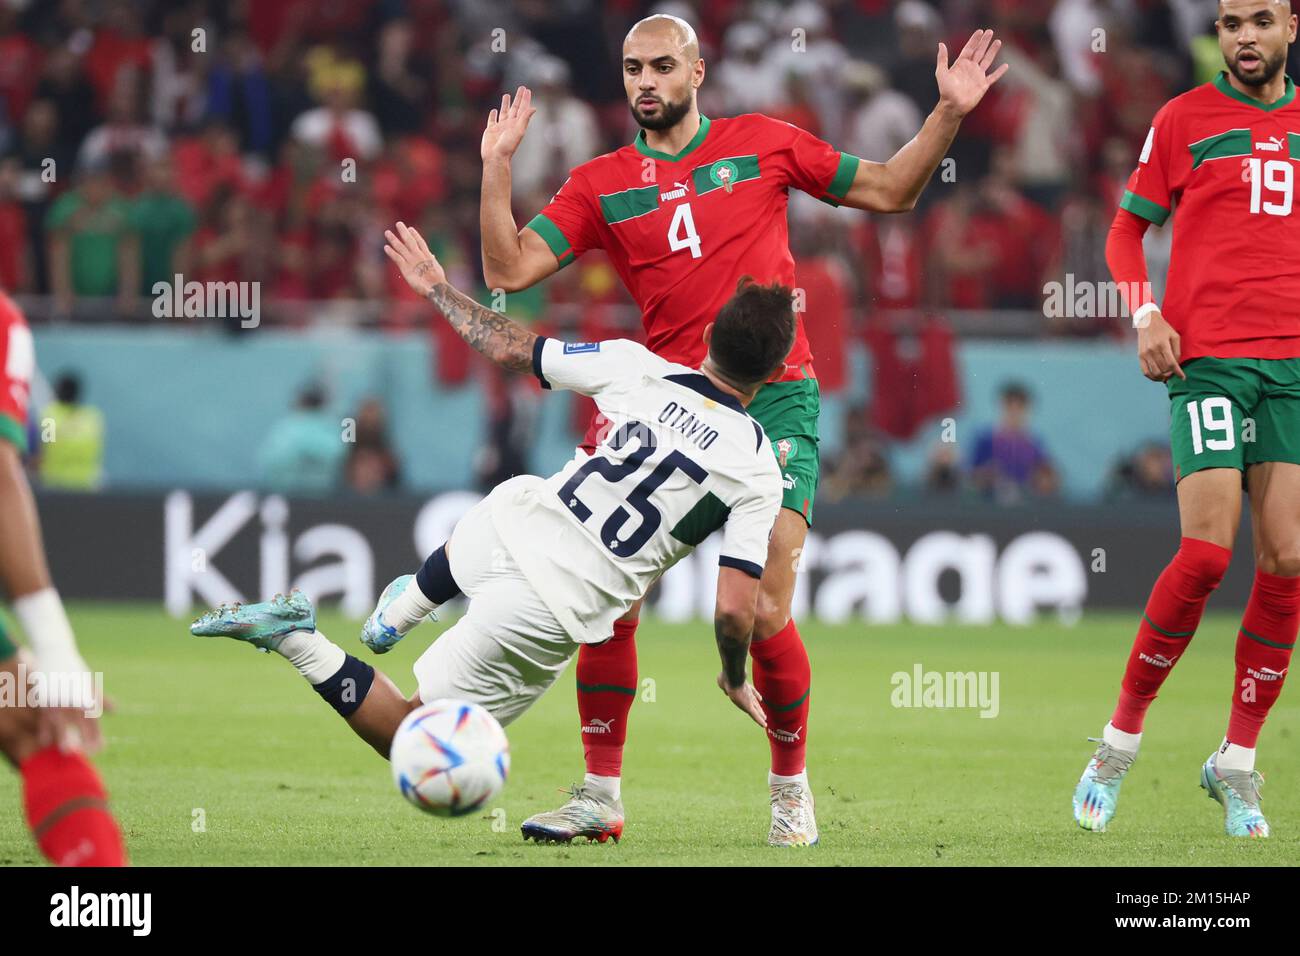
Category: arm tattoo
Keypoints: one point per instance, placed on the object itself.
(734, 651)
(494, 335)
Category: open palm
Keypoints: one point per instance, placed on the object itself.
(963, 84)
(505, 127)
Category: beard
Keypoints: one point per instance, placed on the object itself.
(670, 114)
(1271, 67)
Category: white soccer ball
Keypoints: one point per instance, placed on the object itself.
(450, 757)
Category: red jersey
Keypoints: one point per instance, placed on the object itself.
(1229, 165)
(17, 363)
(682, 230)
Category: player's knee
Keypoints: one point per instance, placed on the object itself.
(770, 617)
(1282, 560)
(1205, 563)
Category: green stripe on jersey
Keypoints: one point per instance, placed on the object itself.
(1235, 142)
(1150, 211)
(843, 180)
(739, 169)
(630, 203)
(551, 234)
(708, 515)
(1293, 144)
(12, 431)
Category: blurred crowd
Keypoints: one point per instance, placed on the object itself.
(273, 140)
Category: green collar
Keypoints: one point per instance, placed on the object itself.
(1227, 89)
(698, 138)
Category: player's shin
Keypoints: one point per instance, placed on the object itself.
(1172, 615)
(607, 685)
(1264, 646)
(67, 810)
(783, 676)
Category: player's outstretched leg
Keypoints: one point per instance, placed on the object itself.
(366, 698)
(783, 676)
(1172, 615)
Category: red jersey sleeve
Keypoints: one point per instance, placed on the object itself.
(1149, 193)
(17, 363)
(570, 223)
(812, 165)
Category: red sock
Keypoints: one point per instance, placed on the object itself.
(1172, 615)
(1264, 645)
(606, 689)
(784, 678)
(67, 810)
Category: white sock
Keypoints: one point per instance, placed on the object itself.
(1233, 757)
(608, 787)
(776, 780)
(1121, 739)
(315, 655)
(408, 609)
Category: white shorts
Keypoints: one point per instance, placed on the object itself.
(508, 649)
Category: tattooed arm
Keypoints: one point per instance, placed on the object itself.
(490, 333)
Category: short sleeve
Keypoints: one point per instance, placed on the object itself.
(588, 367)
(748, 528)
(569, 223)
(816, 167)
(1148, 193)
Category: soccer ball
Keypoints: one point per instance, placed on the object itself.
(450, 757)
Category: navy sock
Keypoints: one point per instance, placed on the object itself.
(435, 580)
(346, 690)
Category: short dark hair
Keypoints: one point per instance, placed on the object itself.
(1016, 392)
(67, 389)
(753, 332)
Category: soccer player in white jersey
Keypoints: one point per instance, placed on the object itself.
(550, 563)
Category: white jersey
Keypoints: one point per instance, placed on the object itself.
(680, 459)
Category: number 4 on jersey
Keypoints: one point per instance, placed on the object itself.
(682, 234)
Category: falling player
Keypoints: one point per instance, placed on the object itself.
(47, 740)
(683, 212)
(550, 564)
(1227, 343)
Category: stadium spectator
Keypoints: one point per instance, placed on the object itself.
(304, 451)
(1009, 463)
(124, 137)
(862, 467)
(371, 466)
(93, 248)
(64, 84)
(164, 221)
(14, 266)
(561, 136)
(1146, 473)
(742, 81)
(239, 94)
(883, 120)
(339, 126)
(72, 439)
(38, 156)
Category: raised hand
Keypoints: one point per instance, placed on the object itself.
(505, 127)
(963, 84)
(417, 264)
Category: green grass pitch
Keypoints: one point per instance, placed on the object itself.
(220, 755)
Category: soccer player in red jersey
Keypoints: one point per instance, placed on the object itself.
(64, 800)
(684, 211)
(1226, 342)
